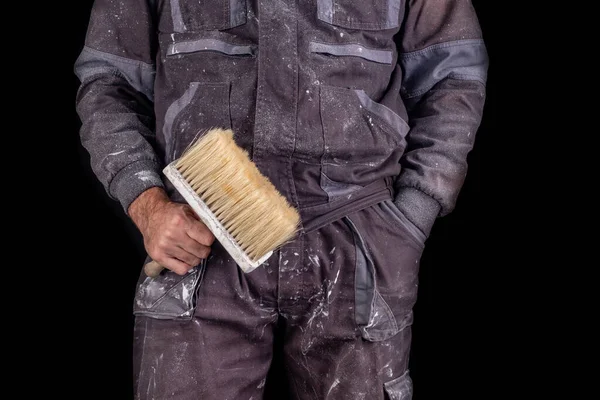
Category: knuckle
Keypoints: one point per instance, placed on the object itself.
(162, 244)
(192, 262)
(210, 238)
(205, 252)
(206, 237)
(192, 259)
(154, 250)
(178, 219)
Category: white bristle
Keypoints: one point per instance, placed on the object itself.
(244, 201)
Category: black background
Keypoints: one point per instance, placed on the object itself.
(457, 317)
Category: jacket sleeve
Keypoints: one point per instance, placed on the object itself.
(115, 98)
(444, 62)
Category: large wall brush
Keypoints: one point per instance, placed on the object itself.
(240, 206)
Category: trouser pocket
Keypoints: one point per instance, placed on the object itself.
(386, 273)
(168, 296)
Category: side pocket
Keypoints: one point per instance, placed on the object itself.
(386, 273)
(168, 296)
(373, 315)
(400, 388)
(390, 213)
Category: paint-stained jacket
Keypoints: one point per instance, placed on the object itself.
(341, 103)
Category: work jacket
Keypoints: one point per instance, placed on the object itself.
(340, 103)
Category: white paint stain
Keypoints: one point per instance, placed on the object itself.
(146, 176)
(333, 284)
(335, 383)
(307, 346)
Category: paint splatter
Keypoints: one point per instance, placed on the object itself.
(335, 383)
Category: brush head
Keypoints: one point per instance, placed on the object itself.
(222, 183)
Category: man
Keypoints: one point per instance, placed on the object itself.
(361, 113)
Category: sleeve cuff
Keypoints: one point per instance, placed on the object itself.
(133, 180)
(420, 209)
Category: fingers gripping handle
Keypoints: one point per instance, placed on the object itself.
(153, 269)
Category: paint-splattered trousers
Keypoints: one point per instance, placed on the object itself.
(346, 292)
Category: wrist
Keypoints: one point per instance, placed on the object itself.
(146, 204)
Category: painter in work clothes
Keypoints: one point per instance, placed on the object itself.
(361, 113)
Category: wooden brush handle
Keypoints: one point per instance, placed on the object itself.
(153, 269)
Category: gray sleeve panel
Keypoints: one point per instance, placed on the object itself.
(460, 59)
(193, 46)
(355, 50)
(138, 74)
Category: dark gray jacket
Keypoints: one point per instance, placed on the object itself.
(341, 103)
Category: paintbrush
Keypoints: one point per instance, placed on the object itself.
(240, 206)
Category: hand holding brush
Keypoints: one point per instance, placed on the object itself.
(233, 201)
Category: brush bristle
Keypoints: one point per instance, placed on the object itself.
(244, 201)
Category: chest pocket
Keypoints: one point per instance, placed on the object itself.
(360, 14)
(199, 15)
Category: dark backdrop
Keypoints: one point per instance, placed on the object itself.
(456, 316)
